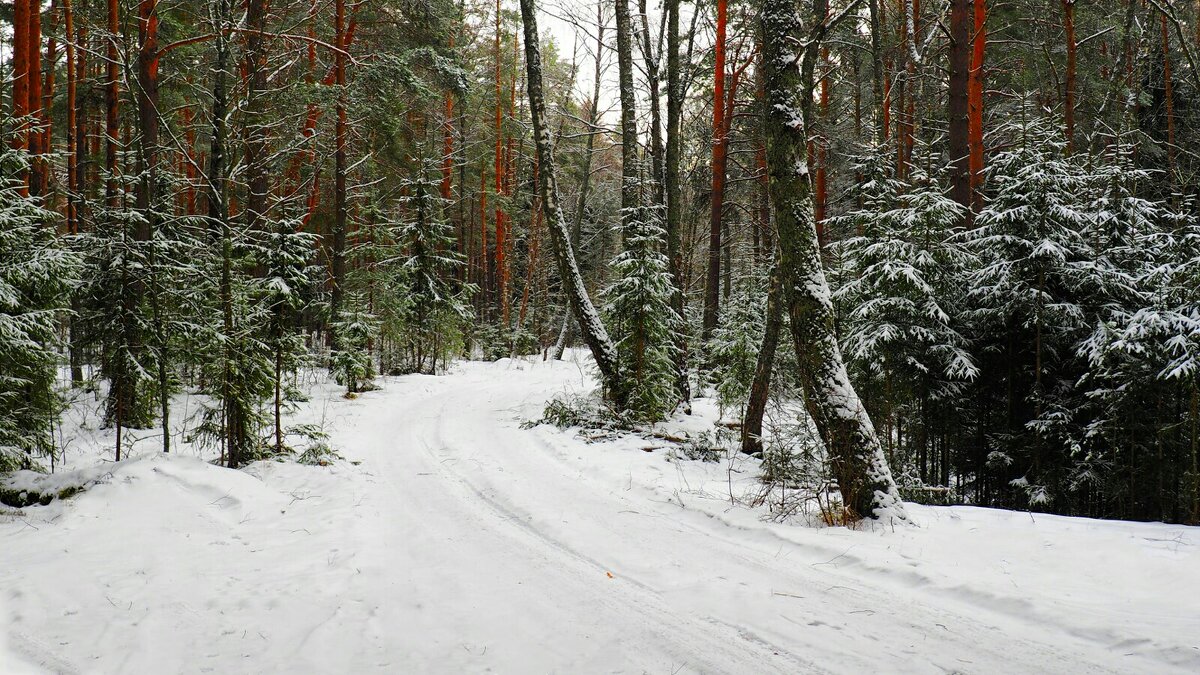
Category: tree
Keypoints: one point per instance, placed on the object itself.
(720, 130)
(639, 309)
(854, 452)
(958, 106)
(36, 274)
(594, 332)
(434, 307)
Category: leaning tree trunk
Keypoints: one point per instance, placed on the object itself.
(760, 388)
(855, 455)
(566, 333)
(594, 334)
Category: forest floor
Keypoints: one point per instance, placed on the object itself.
(451, 539)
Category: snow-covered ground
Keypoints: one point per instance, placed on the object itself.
(452, 540)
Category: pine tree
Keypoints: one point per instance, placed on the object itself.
(734, 346)
(1143, 352)
(116, 316)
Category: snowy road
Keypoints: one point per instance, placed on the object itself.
(463, 543)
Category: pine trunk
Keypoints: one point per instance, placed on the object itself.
(712, 284)
(960, 66)
(975, 104)
(338, 257)
(672, 189)
(1069, 77)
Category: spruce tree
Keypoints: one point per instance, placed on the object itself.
(639, 309)
(36, 277)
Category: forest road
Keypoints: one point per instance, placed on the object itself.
(500, 554)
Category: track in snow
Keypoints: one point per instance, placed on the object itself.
(513, 545)
(461, 542)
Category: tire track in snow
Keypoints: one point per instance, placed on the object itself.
(906, 629)
(695, 645)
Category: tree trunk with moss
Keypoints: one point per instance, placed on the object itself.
(604, 351)
(760, 388)
(855, 456)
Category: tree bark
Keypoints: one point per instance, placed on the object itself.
(585, 181)
(500, 220)
(111, 101)
(72, 150)
(958, 141)
(629, 137)
(37, 174)
(256, 122)
(878, 73)
(673, 191)
(975, 104)
(1168, 97)
(146, 199)
(20, 86)
(653, 60)
(594, 333)
(448, 145)
(712, 285)
(760, 388)
(855, 455)
(338, 257)
(1069, 76)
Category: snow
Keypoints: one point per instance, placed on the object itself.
(461, 542)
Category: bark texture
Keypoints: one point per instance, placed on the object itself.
(854, 453)
(595, 335)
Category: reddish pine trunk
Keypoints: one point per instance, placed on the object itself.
(309, 130)
(20, 61)
(33, 57)
(256, 124)
(111, 101)
(82, 116)
(147, 107)
(47, 102)
(1169, 95)
(906, 105)
(960, 38)
(712, 296)
(72, 131)
(975, 103)
(510, 179)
